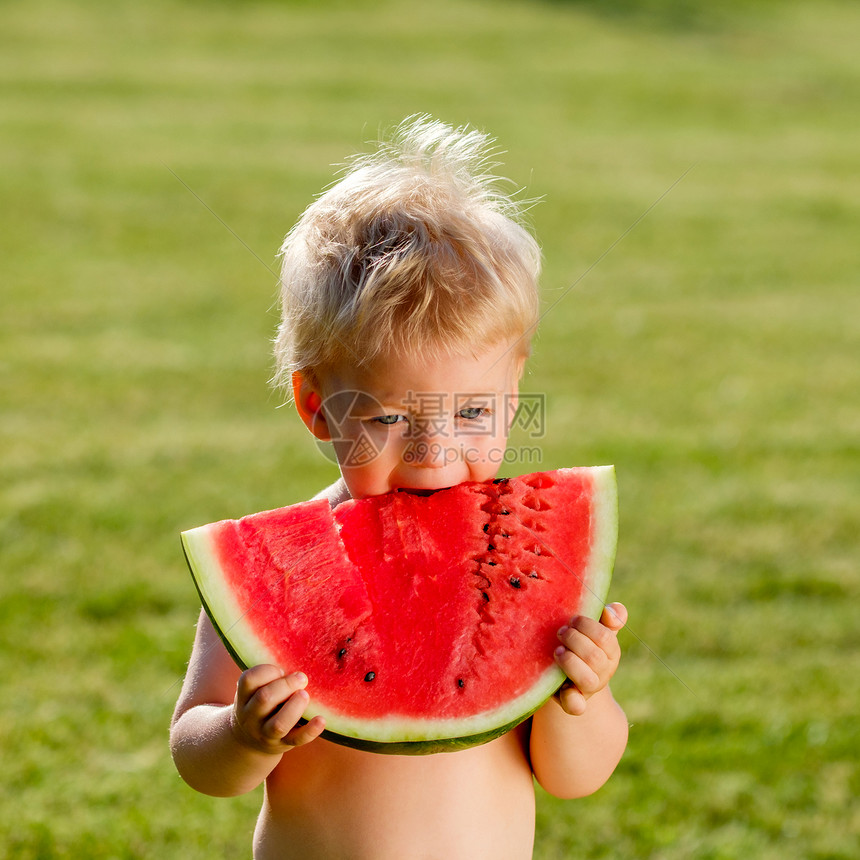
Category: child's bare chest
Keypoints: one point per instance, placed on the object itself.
(340, 803)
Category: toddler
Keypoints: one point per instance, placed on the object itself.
(409, 298)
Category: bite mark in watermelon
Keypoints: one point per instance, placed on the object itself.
(424, 623)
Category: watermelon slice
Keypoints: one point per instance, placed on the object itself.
(424, 623)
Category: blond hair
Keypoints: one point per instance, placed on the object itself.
(415, 249)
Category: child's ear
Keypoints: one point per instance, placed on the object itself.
(513, 399)
(521, 367)
(309, 406)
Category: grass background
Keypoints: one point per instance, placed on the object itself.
(151, 158)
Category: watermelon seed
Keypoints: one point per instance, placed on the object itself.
(370, 676)
(461, 683)
(515, 581)
(486, 527)
(486, 596)
(490, 547)
(341, 654)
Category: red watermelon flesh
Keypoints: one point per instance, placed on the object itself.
(424, 623)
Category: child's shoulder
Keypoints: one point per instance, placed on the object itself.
(334, 494)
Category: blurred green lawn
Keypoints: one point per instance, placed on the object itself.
(151, 158)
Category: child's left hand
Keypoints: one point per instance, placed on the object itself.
(588, 655)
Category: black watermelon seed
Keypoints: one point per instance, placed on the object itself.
(341, 654)
(490, 547)
(486, 527)
(501, 480)
(515, 581)
(533, 575)
(370, 676)
(461, 683)
(486, 596)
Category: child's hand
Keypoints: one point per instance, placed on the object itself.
(268, 705)
(589, 655)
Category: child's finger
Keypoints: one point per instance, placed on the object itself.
(252, 679)
(310, 731)
(593, 642)
(572, 701)
(280, 724)
(614, 616)
(269, 698)
(584, 677)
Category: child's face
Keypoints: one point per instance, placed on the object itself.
(404, 423)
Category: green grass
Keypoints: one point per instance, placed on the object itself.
(711, 354)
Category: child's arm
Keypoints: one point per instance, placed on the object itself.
(230, 728)
(577, 739)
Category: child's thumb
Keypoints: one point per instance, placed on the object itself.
(614, 616)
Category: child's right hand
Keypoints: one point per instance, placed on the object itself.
(267, 706)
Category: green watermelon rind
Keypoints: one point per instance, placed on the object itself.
(218, 600)
(540, 693)
(598, 575)
(392, 734)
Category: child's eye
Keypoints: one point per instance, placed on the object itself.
(471, 412)
(389, 419)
